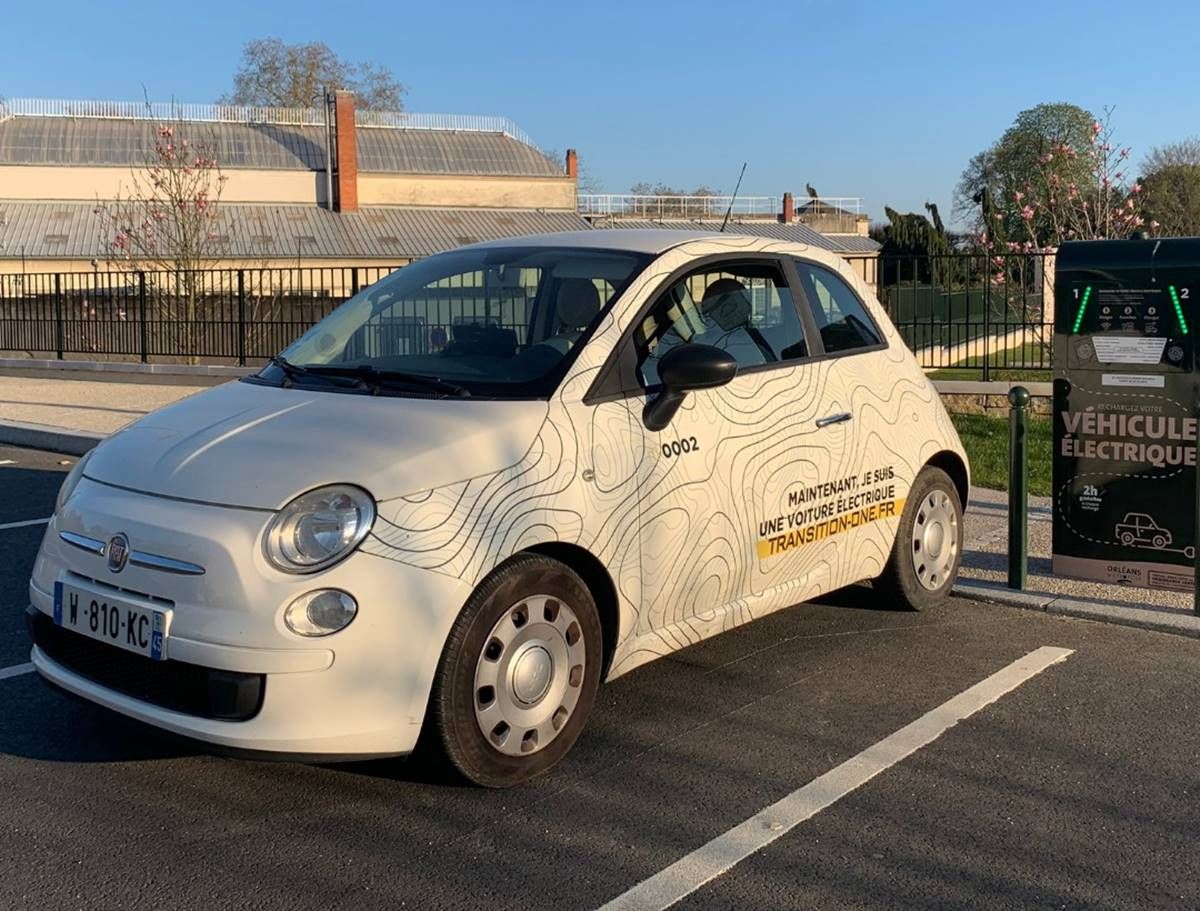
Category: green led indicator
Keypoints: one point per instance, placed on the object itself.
(1178, 309)
(1087, 292)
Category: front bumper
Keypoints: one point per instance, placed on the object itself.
(360, 692)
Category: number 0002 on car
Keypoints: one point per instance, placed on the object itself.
(111, 619)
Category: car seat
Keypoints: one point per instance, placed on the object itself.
(576, 304)
(726, 309)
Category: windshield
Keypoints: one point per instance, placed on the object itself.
(504, 322)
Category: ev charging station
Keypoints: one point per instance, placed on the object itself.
(1125, 411)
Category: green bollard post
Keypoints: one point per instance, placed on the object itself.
(1018, 488)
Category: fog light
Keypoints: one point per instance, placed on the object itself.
(320, 613)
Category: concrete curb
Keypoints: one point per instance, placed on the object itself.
(28, 363)
(1163, 620)
(43, 436)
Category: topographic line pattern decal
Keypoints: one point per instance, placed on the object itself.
(681, 531)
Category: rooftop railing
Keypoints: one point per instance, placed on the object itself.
(229, 113)
(633, 205)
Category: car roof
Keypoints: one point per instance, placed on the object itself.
(630, 240)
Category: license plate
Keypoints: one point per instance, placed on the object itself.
(110, 619)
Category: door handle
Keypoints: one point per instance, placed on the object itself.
(834, 419)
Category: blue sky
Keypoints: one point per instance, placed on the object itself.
(881, 100)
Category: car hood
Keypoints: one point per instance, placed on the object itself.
(254, 446)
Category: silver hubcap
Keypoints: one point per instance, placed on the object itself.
(529, 674)
(935, 539)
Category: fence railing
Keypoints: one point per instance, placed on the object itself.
(968, 314)
(225, 315)
(634, 205)
(232, 113)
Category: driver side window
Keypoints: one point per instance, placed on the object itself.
(745, 309)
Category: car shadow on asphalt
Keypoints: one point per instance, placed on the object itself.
(426, 766)
(56, 726)
(53, 725)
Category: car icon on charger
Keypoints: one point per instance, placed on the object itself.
(1139, 530)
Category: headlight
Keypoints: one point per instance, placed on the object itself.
(319, 528)
(320, 613)
(74, 476)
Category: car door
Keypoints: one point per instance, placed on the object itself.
(728, 473)
(876, 455)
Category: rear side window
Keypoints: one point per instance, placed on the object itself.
(841, 318)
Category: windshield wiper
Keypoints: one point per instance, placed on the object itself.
(378, 378)
(293, 372)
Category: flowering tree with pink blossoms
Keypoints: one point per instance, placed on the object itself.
(164, 223)
(1060, 201)
(166, 218)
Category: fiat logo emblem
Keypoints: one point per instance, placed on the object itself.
(118, 552)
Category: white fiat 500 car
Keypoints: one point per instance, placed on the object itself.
(491, 480)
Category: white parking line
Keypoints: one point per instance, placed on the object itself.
(15, 671)
(709, 861)
(24, 524)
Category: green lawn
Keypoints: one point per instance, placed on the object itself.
(1005, 364)
(986, 442)
(999, 374)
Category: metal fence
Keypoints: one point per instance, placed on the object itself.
(235, 316)
(969, 314)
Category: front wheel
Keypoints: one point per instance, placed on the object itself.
(928, 549)
(519, 673)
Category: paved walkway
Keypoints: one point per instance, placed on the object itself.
(92, 405)
(985, 556)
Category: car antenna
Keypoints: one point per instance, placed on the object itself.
(729, 211)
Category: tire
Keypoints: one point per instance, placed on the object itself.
(917, 576)
(519, 673)
(1159, 542)
(1127, 539)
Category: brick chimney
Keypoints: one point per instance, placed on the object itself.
(572, 164)
(788, 215)
(345, 153)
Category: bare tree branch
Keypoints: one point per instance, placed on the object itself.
(275, 74)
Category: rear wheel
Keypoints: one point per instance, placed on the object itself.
(519, 673)
(928, 549)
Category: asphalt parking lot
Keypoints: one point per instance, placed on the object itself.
(1078, 788)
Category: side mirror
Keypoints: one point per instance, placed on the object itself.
(683, 370)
